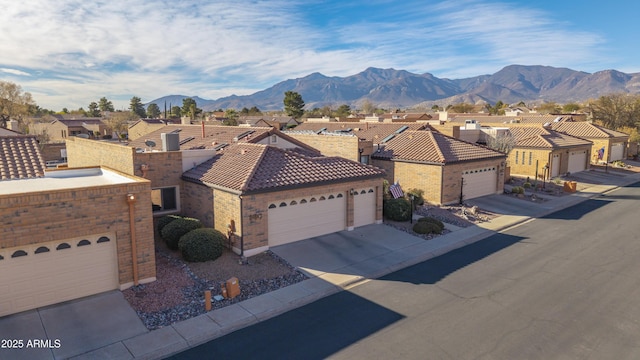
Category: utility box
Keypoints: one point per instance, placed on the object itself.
(233, 288)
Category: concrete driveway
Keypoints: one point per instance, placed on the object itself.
(71, 328)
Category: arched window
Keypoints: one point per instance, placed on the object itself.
(339, 195)
(272, 206)
(19, 253)
(293, 202)
(84, 242)
(331, 197)
(312, 200)
(42, 249)
(103, 239)
(283, 204)
(63, 246)
(303, 201)
(322, 198)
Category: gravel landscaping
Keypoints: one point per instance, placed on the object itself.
(178, 292)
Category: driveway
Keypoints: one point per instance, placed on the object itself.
(71, 328)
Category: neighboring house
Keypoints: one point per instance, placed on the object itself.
(8, 132)
(278, 122)
(608, 145)
(210, 178)
(59, 130)
(448, 170)
(546, 153)
(405, 117)
(145, 126)
(263, 196)
(68, 233)
(375, 132)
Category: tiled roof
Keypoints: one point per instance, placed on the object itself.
(214, 135)
(256, 167)
(20, 158)
(540, 137)
(523, 119)
(433, 147)
(80, 122)
(586, 130)
(372, 131)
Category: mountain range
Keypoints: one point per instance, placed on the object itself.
(390, 88)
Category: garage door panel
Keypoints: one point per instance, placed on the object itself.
(577, 161)
(364, 207)
(47, 278)
(479, 182)
(296, 222)
(617, 152)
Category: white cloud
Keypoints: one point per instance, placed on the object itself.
(79, 51)
(14, 72)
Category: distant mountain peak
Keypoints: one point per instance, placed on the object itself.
(391, 88)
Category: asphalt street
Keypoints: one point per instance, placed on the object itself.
(566, 286)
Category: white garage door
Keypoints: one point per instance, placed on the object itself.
(617, 152)
(303, 218)
(555, 165)
(479, 182)
(577, 161)
(364, 207)
(53, 272)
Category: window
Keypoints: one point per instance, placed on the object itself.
(523, 158)
(516, 156)
(364, 159)
(530, 157)
(274, 139)
(164, 199)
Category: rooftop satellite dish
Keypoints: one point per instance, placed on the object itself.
(150, 143)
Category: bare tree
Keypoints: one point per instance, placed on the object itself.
(118, 122)
(503, 142)
(14, 104)
(616, 111)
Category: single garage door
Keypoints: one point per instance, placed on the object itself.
(577, 161)
(53, 272)
(364, 207)
(617, 152)
(303, 218)
(479, 182)
(555, 165)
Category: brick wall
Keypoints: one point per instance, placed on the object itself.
(51, 151)
(85, 152)
(517, 168)
(35, 217)
(197, 202)
(333, 145)
(441, 184)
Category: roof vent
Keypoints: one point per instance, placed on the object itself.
(186, 140)
(246, 133)
(321, 130)
(557, 119)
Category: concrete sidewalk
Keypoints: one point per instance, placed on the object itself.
(336, 262)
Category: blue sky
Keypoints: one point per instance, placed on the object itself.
(68, 53)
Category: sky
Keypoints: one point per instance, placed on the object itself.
(68, 53)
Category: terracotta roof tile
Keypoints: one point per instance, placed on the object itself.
(433, 147)
(585, 130)
(20, 158)
(256, 167)
(544, 138)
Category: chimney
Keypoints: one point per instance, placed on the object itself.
(170, 141)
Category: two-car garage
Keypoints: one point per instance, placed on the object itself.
(305, 217)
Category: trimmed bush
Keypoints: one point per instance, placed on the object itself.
(163, 221)
(526, 185)
(173, 231)
(397, 209)
(517, 190)
(426, 227)
(431, 220)
(202, 245)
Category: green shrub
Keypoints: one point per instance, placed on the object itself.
(517, 190)
(397, 209)
(526, 185)
(431, 220)
(202, 244)
(163, 221)
(173, 231)
(426, 227)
